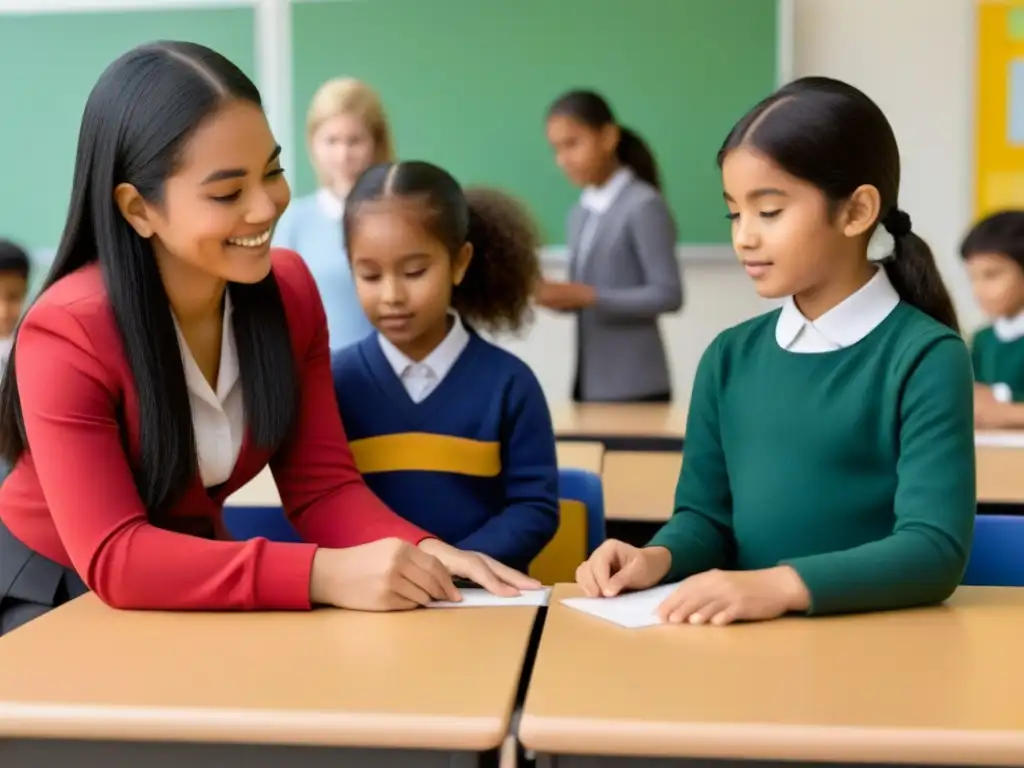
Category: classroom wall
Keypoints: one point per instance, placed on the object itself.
(915, 58)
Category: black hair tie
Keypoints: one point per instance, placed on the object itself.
(897, 222)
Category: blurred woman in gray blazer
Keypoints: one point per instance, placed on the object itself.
(623, 272)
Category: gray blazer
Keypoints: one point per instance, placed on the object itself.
(631, 261)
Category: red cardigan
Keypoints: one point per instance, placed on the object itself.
(72, 497)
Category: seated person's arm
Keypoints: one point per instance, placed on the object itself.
(994, 408)
(923, 559)
(699, 533)
(529, 468)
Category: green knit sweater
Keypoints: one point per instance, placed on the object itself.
(855, 467)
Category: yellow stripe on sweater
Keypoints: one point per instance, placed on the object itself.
(427, 452)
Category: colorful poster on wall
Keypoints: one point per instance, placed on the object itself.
(999, 128)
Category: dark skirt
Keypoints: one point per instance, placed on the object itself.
(30, 584)
(577, 384)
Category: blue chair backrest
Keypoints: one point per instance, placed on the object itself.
(997, 555)
(581, 485)
(271, 523)
(252, 522)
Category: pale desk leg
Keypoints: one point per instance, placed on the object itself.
(103, 754)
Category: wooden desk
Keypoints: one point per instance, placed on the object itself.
(628, 427)
(1000, 475)
(329, 687)
(935, 686)
(261, 491)
(640, 486)
(581, 455)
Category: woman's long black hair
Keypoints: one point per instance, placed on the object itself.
(137, 121)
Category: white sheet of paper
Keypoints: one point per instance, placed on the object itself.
(997, 439)
(481, 598)
(633, 609)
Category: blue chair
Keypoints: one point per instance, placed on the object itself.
(251, 522)
(580, 530)
(997, 556)
(583, 486)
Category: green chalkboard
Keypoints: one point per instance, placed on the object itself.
(466, 84)
(50, 62)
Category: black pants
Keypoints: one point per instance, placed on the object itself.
(30, 584)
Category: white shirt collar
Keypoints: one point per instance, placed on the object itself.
(439, 362)
(329, 203)
(600, 199)
(846, 323)
(1009, 328)
(227, 373)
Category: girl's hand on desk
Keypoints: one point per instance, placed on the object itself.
(497, 578)
(617, 566)
(722, 597)
(564, 297)
(385, 575)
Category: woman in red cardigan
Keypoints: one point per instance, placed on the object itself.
(172, 355)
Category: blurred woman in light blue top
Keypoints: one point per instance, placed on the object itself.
(347, 132)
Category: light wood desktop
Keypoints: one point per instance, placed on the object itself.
(627, 426)
(419, 688)
(582, 455)
(639, 486)
(936, 686)
(261, 491)
(1000, 475)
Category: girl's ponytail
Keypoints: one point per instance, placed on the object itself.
(913, 272)
(496, 290)
(592, 110)
(634, 152)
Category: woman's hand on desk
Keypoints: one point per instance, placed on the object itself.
(722, 597)
(564, 297)
(617, 566)
(495, 577)
(385, 575)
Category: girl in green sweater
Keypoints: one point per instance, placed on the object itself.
(829, 453)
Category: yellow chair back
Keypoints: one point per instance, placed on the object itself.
(558, 561)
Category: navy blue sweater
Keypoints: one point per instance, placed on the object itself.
(474, 463)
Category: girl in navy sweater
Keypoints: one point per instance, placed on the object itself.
(450, 431)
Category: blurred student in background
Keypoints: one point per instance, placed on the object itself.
(347, 132)
(452, 432)
(830, 462)
(994, 254)
(623, 272)
(14, 277)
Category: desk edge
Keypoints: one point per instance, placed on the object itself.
(239, 726)
(638, 738)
